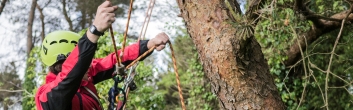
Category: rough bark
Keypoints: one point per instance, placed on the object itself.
(67, 18)
(2, 5)
(30, 27)
(235, 66)
(321, 25)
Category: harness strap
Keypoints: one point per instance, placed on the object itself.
(94, 96)
(80, 99)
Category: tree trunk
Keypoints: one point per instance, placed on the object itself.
(83, 19)
(2, 5)
(30, 27)
(235, 65)
(6, 107)
(42, 34)
(68, 19)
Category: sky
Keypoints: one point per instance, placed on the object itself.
(9, 52)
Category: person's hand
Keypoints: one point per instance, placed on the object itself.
(105, 16)
(159, 41)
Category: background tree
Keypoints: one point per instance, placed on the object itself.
(231, 57)
(2, 5)
(298, 43)
(29, 82)
(10, 86)
(285, 34)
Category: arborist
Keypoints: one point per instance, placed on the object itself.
(73, 72)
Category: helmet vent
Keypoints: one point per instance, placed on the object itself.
(63, 40)
(45, 50)
(51, 43)
(74, 42)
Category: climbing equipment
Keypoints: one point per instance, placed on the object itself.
(120, 95)
(117, 94)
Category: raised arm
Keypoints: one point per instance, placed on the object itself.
(102, 69)
(58, 93)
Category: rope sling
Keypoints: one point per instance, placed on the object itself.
(120, 95)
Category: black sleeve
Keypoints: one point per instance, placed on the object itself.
(68, 81)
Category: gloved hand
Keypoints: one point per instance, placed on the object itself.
(120, 70)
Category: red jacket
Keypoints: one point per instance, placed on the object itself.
(67, 91)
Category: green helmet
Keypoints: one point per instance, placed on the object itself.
(57, 46)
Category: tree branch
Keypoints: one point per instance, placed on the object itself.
(42, 34)
(67, 16)
(4, 90)
(321, 25)
(328, 71)
(30, 43)
(2, 5)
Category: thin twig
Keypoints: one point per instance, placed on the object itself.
(4, 90)
(304, 65)
(314, 66)
(330, 63)
(21, 90)
(316, 82)
(344, 89)
(332, 53)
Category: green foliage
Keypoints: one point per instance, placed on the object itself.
(200, 96)
(340, 82)
(147, 95)
(196, 89)
(275, 33)
(9, 80)
(29, 84)
(303, 87)
(325, 8)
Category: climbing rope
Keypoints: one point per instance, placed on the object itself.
(126, 30)
(148, 15)
(124, 94)
(177, 76)
(175, 70)
(115, 50)
(141, 56)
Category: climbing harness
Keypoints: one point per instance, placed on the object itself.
(120, 95)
